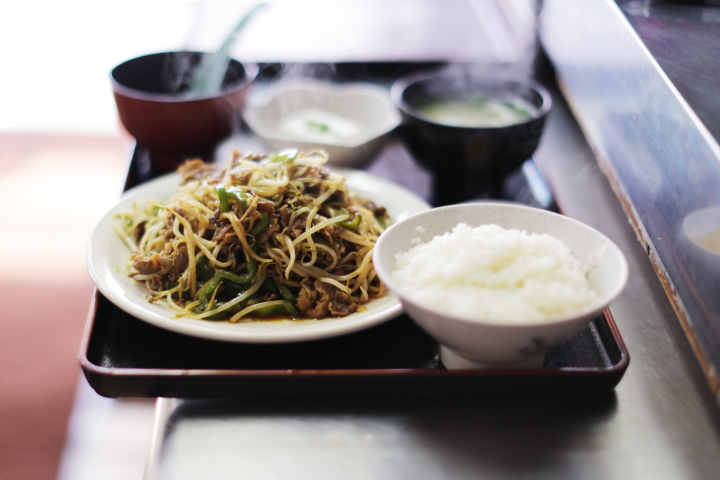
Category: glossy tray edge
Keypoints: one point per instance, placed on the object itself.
(360, 383)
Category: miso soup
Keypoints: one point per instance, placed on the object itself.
(476, 112)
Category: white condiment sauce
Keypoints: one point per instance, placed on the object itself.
(317, 125)
(476, 111)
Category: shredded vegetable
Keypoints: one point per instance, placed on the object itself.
(268, 235)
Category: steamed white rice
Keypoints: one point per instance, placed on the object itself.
(491, 274)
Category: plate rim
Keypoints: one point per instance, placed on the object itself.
(106, 276)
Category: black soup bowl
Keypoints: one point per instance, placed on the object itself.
(469, 157)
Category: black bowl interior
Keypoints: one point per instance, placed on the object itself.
(170, 72)
(415, 94)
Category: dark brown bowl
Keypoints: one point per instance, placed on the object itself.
(151, 94)
(468, 162)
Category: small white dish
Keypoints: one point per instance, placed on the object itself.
(348, 121)
(477, 344)
(106, 257)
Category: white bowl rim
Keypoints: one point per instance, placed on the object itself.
(327, 88)
(594, 308)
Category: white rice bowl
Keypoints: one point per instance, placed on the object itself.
(491, 274)
(511, 289)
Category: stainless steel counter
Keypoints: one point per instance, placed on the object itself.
(640, 92)
(661, 422)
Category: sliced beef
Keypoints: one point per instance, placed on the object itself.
(265, 207)
(308, 298)
(298, 226)
(272, 228)
(169, 261)
(224, 227)
(284, 214)
(194, 169)
(167, 230)
(156, 283)
(146, 264)
(324, 259)
(328, 233)
(269, 297)
(340, 303)
(139, 231)
(241, 179)
(181, 259)
(312, 189)
(319, 299)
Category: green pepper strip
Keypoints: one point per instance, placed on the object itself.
(269, 310)
(220, 275)
(351, 223)
(252, 263)
(222, 195)
(285, 292)
(291, 310)
(279, 288)
(271, 285)
(287, 307)
(239, 196)
(211, 285)
(260, 227)
(202, 267)
(219, 315)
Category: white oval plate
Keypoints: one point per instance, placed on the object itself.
(106, 258)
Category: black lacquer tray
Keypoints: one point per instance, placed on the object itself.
(122, 356)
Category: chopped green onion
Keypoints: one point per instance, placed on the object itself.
(321, 127)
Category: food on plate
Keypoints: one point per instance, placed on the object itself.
(495, 275)
(476, 112)
(269, 234)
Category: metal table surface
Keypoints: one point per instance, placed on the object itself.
(660, 423)
(641, 78)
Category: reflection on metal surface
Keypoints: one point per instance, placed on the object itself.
(661, 159)
(684, 40)
(701, 232)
